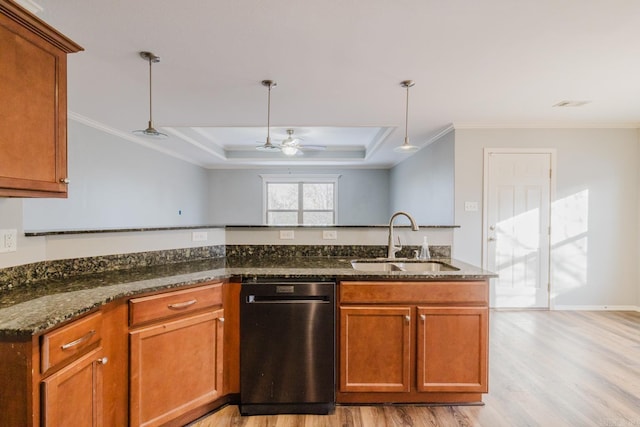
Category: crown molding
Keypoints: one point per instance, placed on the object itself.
(127, 136)
(546, 125)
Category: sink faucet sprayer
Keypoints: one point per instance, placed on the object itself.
(391, 251)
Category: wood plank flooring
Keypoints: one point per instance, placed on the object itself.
(547, 368)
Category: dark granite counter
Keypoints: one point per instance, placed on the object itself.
(34, 233)
(31, 309)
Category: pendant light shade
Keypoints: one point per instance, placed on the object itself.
(268, 146)
(406, 147)
(150, 131)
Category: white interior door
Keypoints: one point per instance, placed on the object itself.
(517, 200)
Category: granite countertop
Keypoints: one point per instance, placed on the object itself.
(28, 310)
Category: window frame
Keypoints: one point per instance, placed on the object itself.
(299, 179)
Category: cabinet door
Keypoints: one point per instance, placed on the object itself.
(452, 349)
(175, 367)
(375, 349)
(33, 70)
(73, 395)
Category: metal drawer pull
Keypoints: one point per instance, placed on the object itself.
(423, 317)
(180, 305)
(102, 361)
(79, 341)
(407, 318)
(221, 319)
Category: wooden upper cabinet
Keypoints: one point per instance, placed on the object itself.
(33, 110)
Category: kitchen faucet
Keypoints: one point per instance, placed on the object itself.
(391, 250)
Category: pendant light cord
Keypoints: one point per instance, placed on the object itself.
(269, 114)
(406, 119)
(150, 95)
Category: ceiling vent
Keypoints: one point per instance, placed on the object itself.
(571, 103)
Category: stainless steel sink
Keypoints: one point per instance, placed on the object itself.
(414, 266)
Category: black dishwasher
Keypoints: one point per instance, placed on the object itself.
(287, 348)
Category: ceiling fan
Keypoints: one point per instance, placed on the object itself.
(291, 146)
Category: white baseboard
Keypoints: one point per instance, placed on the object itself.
(596, 307)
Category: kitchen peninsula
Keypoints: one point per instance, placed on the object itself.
(103, 317)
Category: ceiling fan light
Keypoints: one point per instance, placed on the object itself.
(289, 150)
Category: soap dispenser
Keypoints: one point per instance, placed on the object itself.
(424, 250)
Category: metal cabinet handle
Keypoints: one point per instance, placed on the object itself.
(221, 319)
(79, 341)
(180, 305)
(407, 318)
(64, 180)
(102, 361)
(423, 317)
(491, 239)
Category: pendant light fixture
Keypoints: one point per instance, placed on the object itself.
(150, 131)
(406, 147)
(268, 146)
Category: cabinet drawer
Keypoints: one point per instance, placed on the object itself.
(466, 293)
(169, 304)
(62, 344)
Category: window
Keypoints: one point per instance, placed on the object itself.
(300, 200)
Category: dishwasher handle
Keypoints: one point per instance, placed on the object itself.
(280, 299)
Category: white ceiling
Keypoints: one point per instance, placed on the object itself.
(339, 64)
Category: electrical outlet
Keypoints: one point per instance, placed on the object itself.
(8, 240)
(287, 235)
(199, 236)
(329, 234)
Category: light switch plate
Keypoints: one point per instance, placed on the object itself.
(287, 235)
(9, 240)
(471, 206)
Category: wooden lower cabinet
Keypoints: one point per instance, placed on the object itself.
(151, 360)
(452, 349)
(413, 342)
(73, 396)
(375, 349)
(175, 366)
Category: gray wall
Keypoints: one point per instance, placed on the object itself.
(117, 183)
(594, 252)
(236, 195)
(423, 184)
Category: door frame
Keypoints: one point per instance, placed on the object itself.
(485, 194)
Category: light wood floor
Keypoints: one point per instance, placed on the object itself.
(548, 369)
